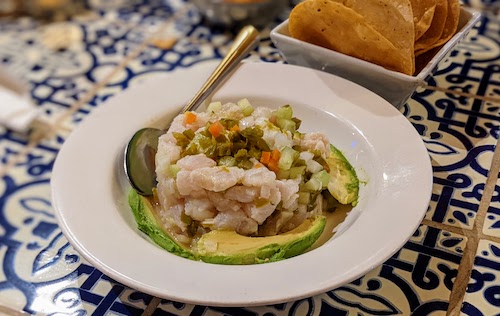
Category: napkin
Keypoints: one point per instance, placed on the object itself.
(17, 112)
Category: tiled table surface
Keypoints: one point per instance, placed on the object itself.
(451, 265)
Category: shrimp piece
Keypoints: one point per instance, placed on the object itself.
(265, 191)
(231, 110)
(237, 221)
(178, 125)
(288, 189)
(258, 177)
(185, 184)
(199, 209)
(222, 204)
(166, 155)
(198, 194)
(259, 214)
(193, 162)
(316, 141)
(201, 120)
(242, 194)
(171, 217)
(167, 192)
(216, 179)
(262, 113)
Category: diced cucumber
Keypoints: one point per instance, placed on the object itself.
(245, 164)
(286, 124)
(242, 153)
(245, 106)
(297, 171)
(323, 177)
(297, 135)
(227, 161)
(314, 166)
(284, 112)
(304, 198)
(313, 185)
(214, 107)
(299, 163)
(297, 122)
(288, 156)
(283, 174)
(189, 134)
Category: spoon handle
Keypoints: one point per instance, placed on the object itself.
(244, 43)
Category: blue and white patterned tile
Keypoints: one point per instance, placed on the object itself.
(11, 144)
(460, 133)
(483, 292)
(417, 280)
(473, 65)
(461, 142)
(101, 295)
(198, 47)
(198, 44)
(491, 224)
(40, 272)
(62, 61)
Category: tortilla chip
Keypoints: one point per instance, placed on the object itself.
(391, 18)
(423, 13)
(334, 26)
(450, 27)
(434, 32)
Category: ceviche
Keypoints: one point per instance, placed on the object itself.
(239, 184)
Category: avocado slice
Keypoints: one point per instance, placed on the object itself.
(344, 183)
(148, 224)
(228, 247)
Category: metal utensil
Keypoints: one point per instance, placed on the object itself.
(140, 152)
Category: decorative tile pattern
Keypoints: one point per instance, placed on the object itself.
(40, 271)
(460, 157)
(473, 65)
(42, 274)
(11, 144)
(483, 292)
(491, 225)
(430, 260)
(460, 133)
(62, 61)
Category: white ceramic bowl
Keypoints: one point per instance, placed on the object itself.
(393, 86)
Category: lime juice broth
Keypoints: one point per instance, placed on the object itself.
(333, 219)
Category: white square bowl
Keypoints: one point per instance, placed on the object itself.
(393, 86)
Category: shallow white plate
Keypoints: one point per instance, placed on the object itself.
(90, 188)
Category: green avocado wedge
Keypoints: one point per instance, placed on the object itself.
(344, 183)
(228, 247)
(148, 224)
